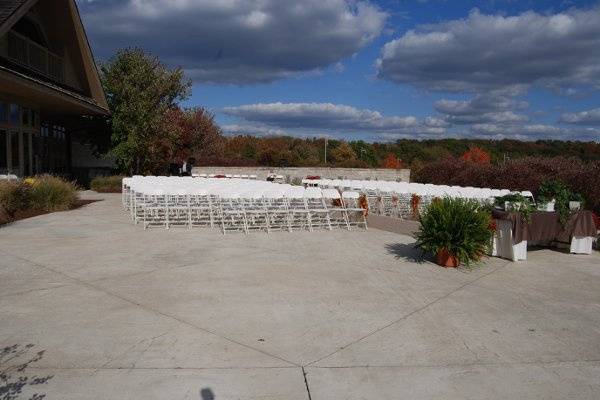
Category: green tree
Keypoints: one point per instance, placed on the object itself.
(139, 90)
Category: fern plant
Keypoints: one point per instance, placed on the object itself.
(460, 226)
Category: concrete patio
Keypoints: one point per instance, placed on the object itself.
(124, 313)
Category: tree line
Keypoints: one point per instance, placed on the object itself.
(150, 131)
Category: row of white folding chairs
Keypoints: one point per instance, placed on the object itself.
(267, 211)
(226, 176)
(175, 183)
(417, 188)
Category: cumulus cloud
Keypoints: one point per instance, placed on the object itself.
(338, 120)
(256, 130)
(534, 132)
(236, 41)
(328, 116)
(492, 52)
(589, 117)
(483, 108)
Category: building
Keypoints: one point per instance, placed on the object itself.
(51, 100)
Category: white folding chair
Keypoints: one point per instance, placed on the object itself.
(356, 214)
(338, 216)
(318, 214)
(299, 216)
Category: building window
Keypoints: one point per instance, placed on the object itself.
(58, 132)
(3, 113)
(14, 152)
(26, 120)
(35, 118)
(3, 152)
(15, 114)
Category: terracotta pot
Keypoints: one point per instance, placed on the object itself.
(445, 259)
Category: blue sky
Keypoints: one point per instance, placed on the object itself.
(374, 70)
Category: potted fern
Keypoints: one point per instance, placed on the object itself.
(455, 231)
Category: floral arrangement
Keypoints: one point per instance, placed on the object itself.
(364, 204)
(415, 200)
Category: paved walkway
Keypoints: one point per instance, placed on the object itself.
(124, 313)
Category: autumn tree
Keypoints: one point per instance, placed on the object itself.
(477, 155)
(391, 162)
(139, 90)
(185, 134)
(343, 154)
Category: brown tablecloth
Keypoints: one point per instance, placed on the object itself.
(546, 227)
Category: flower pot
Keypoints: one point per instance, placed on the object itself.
(575, 205)
(547, 206)
(513, 205)
(445, 259)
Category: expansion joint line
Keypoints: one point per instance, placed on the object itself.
(157, 312)
(406, 316)
(306, 383)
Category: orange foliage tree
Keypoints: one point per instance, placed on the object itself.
(185, 134)
(477, 155)
(391, 162)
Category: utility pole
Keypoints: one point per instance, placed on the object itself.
(325, 150)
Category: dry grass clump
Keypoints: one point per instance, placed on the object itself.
(107, 184)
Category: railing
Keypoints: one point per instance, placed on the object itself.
(31, 55)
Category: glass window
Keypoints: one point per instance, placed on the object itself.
(25, 117)
(3, 113)
(26, 165)
(14, 150)
(15, 114)
(3, 153)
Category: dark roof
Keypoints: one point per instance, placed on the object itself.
(8, 8)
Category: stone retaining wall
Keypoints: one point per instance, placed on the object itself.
(291, 173)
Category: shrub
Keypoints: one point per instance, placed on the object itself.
(107, 184)
(50, 193)
(462, 227)
(520, 174)
(14, 196)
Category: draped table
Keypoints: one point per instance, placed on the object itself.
(514, 233)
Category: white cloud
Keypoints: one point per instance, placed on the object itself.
(490, 107)
(589, 117)
(236, 41)
(534, 132)
(256, 130)
(491, 52)
(334, 117)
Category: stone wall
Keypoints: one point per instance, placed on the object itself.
(302, 172)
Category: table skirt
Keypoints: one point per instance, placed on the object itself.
(503, 246)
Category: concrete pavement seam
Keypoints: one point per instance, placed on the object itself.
(306, 383)
(100, 289)
(452, 365)
(406, 316)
